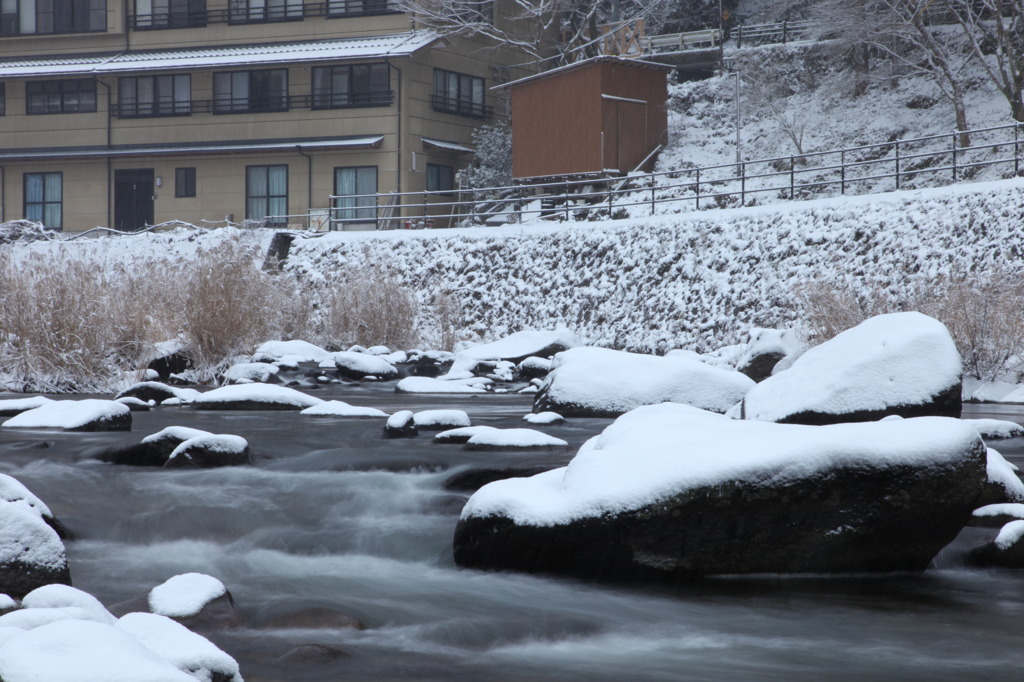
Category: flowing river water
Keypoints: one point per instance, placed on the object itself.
(331, 515)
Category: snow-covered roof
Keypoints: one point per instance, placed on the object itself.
(371, 47)
(445, 144)
(359, 142)
(626, 61)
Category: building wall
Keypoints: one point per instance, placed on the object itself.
(604, 115)
(401, 157)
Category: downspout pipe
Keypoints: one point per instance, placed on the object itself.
(309, 183)
(398, 129)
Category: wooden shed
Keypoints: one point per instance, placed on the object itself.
(605, 115)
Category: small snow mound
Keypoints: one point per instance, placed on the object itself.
(303, 351)
(997, 429)
(339, 408)
(71, 414)
(542, 418)
(265, 394)
(1001, 473)
(64, 596)
(430, 385)
(185, 595)
(514, 438)
(1009, 535)
(441, 419)
(175, 643)
(218, 443)
(460, 435)
(178, 433)
(258, 372)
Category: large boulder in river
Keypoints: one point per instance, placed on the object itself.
(75, 415)
(31, 551)
(898, 364)
(598, 382)
(669, 492)
(254, 397)
(518, 346)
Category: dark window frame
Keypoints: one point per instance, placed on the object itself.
(257, 98)
(177, 14)
(131, 105)
(267, 199)
(440, 178)
(366, 85)
(3, 99)
(64, 96)
(357, 210)
(50, 17)
(461, 94)
(359, 8)
(185, 182)
(45, 202)
(271, 11)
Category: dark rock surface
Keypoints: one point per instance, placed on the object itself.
(848, 519)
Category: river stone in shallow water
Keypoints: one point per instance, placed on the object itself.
(902, 364)
(31, 552)
(667, 492)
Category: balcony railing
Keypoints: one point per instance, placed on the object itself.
(249, 105)
(460, 106)
(261, 15)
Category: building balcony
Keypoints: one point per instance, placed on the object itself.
(262, 15)
(250, 105)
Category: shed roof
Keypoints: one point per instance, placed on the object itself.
(639, 63)
(378, 47)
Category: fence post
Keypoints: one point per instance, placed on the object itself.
(897, 164)
(696, 189)
(792, 178)
(784, 36)
(610, 191)
(842, 171)
(739, 36)
(743, 184)
(954, 157)
(1016, 149)
(653, 186)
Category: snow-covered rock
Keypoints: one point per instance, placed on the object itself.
(13, 406)
(251, 372)
(187, 651)
(439, 420)
(31, 551)
(598, 382)
(669, 491)
(541, 418)
(153, 450)
(339, 408)
(185, 595)
(997, 429)
(75, 415)
(211, 450)
(518, 346)
(158, 392)
(767, 347)
(298, 350)
(1003, 483)
(1005, 551)
(461, 434)
(900, 363)
(352, 365)
(534, 368)
(401, 425)
(254, 397)
(134, 404)
(997, 515)
(514, 439)
(71, 650)
(432, 385)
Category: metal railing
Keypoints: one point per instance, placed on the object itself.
(930, 161)
(781, 32)
(252, 105)
(242, 15)
(679, 42)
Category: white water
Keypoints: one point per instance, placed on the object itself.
(310, 526)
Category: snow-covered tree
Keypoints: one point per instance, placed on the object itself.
(492, 165)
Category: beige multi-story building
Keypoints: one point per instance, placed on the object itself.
(125, 113)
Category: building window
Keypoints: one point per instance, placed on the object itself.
(266, 194)
(440, 178)
(70, 96)
(359, 85)
(474, 11)
(185, 182)
(260, 11)
(141, 96)
(31, 17)
(250, 91)
(44, 196)
(358, 8)
(169, 13)
(355, 188)
(458, 93)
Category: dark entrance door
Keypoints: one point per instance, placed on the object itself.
(133, 199)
